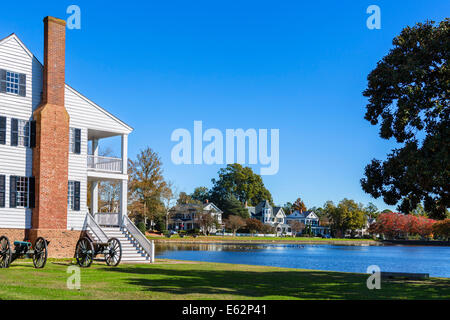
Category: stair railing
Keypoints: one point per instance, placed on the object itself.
(91, 225)
(144, 243)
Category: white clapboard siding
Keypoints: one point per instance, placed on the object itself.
(84, 115)
(78, 172)
(17, 161)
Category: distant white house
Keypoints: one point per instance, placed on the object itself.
(184, 216)
(308, 218)
(273, 216)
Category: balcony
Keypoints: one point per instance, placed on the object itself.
(104, 164)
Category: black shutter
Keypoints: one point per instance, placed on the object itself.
(32, 134)
(12, 191)
(22, 84)
(77, 141)
(31, 193)
(14, 132)
(76, 200)
(2, 191)
(2, 81)
(2, 130)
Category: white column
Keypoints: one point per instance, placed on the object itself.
(94, 197)
(125, 154)
(123, 198)
(95, 147)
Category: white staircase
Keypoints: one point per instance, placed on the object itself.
(136, 248)
(131, 251)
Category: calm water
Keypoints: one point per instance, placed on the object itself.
(420, 259)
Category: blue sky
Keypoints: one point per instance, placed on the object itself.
(297, 66)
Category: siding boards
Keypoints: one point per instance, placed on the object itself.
(17, 161)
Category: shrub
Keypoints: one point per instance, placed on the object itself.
(141, 226)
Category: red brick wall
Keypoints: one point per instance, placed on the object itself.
(14, 234)
(51, 154)
(54, 61)
(62, 242)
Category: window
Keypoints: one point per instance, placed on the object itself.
(20, 132)
(12, 82)
(75, 140)
(73, 196)
(22, 194)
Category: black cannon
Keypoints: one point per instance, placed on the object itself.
(87, 249)
(23, 250)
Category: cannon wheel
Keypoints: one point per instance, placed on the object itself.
(40, 253)
(113, 252)
(5, 252)
(84, 252)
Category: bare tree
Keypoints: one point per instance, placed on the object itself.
(168, 196)
(234, 223)
(297, 227)
(206, 221)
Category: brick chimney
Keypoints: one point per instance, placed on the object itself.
(50, 156)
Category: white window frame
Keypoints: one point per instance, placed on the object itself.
(23, 196)
(12, 82)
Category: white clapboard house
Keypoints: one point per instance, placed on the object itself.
(22, 85)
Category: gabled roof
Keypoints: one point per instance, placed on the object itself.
(302, 215)
(213, 206)
(277, 210)
(13, 36)
(194, 207)
(262, 205)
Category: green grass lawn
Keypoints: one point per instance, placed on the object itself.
(168, 279)
(257, 239)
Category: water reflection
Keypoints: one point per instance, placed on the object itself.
(432, 260)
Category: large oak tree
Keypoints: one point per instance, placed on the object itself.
(408, 96)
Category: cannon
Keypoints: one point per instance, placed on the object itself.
(87, 249)
(23, 250)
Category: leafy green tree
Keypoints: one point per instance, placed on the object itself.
(240, 182)
(200, 194)
(232, 206)
(146, 184)
(287, 208)
(408, 93)
(371, 210)
(184, 198)
(347, 215)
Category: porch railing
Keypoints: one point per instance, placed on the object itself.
(107, 219)
(92, 226)
(144, 243)
(108, 164)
